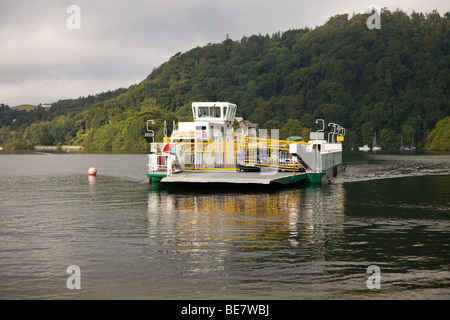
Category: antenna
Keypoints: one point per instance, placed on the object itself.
(165, 129)
(323, 124)
(334, 129)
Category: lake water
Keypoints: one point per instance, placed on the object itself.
(131, 240)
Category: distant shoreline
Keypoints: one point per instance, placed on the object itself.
(54, 148)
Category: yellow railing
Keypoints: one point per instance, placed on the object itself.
(209, 156)
(268, 152)
(248, 152)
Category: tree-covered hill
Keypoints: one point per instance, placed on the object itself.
(393, 80)
(439, 138)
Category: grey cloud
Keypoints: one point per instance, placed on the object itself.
(120, 42)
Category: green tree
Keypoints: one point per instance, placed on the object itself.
(368, 133)
(292, 127)
(408, 134)
(39, 133)
(5, 134)
(387, 139)
(262, 113)
(63, 131)
(439, 137)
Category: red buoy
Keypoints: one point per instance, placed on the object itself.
(92, 171)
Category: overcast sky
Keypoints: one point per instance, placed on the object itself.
(118, 43)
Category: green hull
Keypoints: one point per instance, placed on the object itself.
(315, 177)
(311, 177)
(299, 177)
(294, 178)
(156, 177)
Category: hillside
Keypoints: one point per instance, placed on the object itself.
(393, 80)
(439, 138)
(26, 107)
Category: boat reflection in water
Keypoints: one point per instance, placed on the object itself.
(210, 228)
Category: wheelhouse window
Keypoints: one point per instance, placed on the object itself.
(209, 112)
(215, 112)
(203, 112)
(232, 113)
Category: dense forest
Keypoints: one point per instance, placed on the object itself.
(393, 81)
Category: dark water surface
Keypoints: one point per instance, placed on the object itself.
(135, 241)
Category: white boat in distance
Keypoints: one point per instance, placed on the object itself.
(365, 148)
(375, 147)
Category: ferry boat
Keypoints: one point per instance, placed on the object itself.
(209, 150)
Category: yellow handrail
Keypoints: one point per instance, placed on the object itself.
(248, 152)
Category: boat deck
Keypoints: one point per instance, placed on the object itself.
(230, 177)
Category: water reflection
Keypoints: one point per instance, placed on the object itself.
(250, 222)
(92, 181)
(304, 243)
